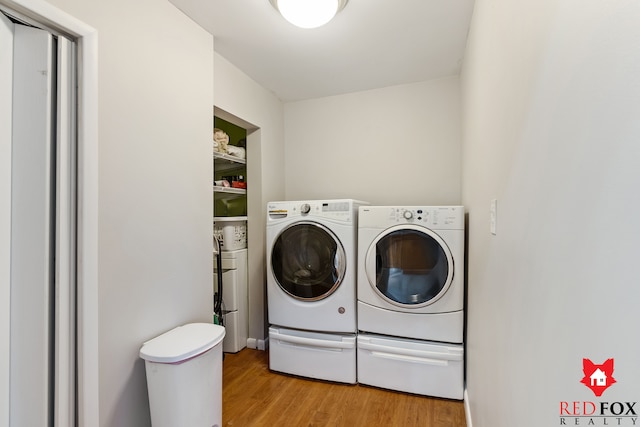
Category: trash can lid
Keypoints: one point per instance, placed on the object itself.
(182, 343)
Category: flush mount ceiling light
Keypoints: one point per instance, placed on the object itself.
(308, 13)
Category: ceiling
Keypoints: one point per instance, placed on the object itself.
(370, 44)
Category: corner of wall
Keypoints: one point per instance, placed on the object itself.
(467, 408)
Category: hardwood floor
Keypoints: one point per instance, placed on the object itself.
(254, 396)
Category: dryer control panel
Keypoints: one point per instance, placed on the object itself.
(436, 217)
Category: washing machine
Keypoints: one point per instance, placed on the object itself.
(410, 293)
(311, 288)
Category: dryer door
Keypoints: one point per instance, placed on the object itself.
(409, 266)
(308, 261)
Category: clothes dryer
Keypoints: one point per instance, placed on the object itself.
(411, 299)
(411, 271)
(311, 287)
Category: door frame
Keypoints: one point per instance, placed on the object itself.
(87, 193)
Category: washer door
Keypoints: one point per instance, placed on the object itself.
(308, 261)
(409, 266)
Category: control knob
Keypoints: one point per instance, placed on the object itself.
(305, 209)
(407, 214)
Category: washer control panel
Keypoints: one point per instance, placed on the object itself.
(341, 209)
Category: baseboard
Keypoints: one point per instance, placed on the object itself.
(467, 409)
(257, 344)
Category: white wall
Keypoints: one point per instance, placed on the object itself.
(237, 94)
(395, 145)
(551, 108)
(155, 172)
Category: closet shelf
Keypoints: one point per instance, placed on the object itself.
(229, 218)
(224, 162)
(226, 192)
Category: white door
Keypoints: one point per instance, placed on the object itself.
(36, 228)
(31, 228)
(6, 85)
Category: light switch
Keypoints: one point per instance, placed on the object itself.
(493, 216)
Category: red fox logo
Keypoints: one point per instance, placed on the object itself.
(598, 377)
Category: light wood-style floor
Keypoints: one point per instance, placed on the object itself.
(254, 396)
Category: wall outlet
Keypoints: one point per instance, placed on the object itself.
(493, 216)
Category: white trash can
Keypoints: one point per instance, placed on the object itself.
(184, 376)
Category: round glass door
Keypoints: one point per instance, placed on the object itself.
(409, 266)
(308, 261)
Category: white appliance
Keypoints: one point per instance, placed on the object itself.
(412, 366)
(235, 305)
(311, 288)
(411, 272)
(319, 355)
(411, 297)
